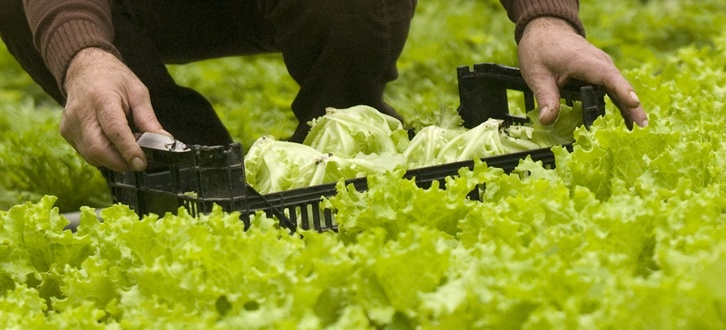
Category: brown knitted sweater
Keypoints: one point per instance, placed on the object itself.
(63, 28)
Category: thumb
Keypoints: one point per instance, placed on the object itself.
(547, 93)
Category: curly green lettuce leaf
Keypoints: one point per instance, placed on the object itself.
(479, 142)
(358, 129)
(272, 165)
(560, 132)
(337, 168)
(426, 145)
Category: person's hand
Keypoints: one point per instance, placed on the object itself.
(551, 52)
(102, 92)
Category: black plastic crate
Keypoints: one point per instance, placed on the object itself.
(207, 175)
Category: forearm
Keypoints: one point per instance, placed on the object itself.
(521, 12)
(62, 28)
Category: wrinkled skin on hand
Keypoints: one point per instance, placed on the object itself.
(101, 93)
(551, 53)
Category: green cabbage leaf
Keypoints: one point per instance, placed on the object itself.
(357, 130)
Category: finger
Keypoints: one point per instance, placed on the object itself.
(101, 153)
(603, 72)
(608, 76)
(142, 113)
(90, 142)
(625, 98)
(639, 116)
(115, 128)
(547, 94)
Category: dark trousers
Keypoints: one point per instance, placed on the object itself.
(341, 52)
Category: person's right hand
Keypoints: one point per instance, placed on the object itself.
(551, 53)
(101, 92)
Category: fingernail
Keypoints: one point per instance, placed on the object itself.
(645, 123)
(634, 97)
(166, 133)
(137, 164)
(544, 111)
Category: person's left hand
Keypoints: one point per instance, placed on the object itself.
(551, 53)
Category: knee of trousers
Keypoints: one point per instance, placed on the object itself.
(342, 35)
(342, 53)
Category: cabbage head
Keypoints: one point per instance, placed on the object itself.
(357, 130)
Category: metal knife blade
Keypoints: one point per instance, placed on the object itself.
(161, 142)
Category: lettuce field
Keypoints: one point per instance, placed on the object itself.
(627, 231)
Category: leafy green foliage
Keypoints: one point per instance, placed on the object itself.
(627, 231)
(35, 161)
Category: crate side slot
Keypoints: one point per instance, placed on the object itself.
(312, 216)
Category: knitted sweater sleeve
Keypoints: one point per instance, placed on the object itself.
(522, 12)
(63, 28)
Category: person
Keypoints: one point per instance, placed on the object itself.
(104, 60)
